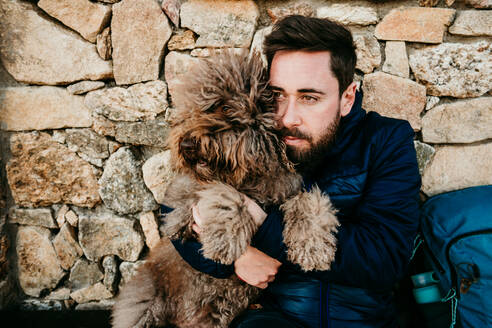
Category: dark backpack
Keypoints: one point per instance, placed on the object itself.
(457, 232)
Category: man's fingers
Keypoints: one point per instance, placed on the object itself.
(262, 285)
(271, 278)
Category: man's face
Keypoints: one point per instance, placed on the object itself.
(309, 107)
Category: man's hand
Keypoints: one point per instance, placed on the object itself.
(256, 268)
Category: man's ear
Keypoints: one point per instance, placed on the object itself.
(347, 99)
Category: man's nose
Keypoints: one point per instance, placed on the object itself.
(289, 116)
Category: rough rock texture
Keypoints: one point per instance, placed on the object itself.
(182, 41)
(59, 294)
(367, 51)
(84, 87)
(92, 293)
(84, 274)
(143, 101)
(122, 186)
(149, 133)
(472, 23)
(396, 62)
(432, 101)
(42, 172)
(32, 216)
(208, 52)
(176, 66)
(421, 24)
(172, 8)
(87, 18)
(72, 218)
(39, 108)
(348, 14)
(66, 246)
(139, 33)
(479, 3)
(103, 233)
(60, 216)
(37, 264)
(220, 23)
(454, 69)
(394, 97)
(150, 229)
(425, 153)
(428, 3)
(459, 122)
(298, 8)
(110, 266)
(457, 167)
(103, 44)
(157, 174)
(36, 50)
(89, 145)
(103, 305)
(33, 304)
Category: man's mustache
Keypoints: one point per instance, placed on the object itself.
(294, 132)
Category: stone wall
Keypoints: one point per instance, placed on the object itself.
(86, 89)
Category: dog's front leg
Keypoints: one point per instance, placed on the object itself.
(227, 226)
(310, 225)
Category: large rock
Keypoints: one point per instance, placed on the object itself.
(157, 174)
(84, 274)
(415, 24)
(37, 50)
(182, 41)
(32, 216)
(122, 187)
(40, 108)
(285, 9)
(143, 101)
(139, 33)
(459, 122)
(396, 62)
(92, 293)
(472, 23)
(220, 23)
(348, 14)
(37, 263)
(457, 167)
(367, 51)
(479, 3)
(148, 133)
(87, 18)
(394, 96)
(42, 172)
(89, 145)
(177, 65)
(454, 69)
(103, 233)
(66, 246)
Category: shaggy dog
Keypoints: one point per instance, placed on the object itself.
(225, 144)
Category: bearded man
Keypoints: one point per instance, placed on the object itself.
(365, 162)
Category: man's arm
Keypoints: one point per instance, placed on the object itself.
(374, 245)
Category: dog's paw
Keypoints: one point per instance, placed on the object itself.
(227, 226)
(310, 227)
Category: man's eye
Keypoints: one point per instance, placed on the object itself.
(309, 99)
(278, 96)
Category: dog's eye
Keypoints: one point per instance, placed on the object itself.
(226, 109)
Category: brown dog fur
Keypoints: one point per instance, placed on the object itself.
(224, 144)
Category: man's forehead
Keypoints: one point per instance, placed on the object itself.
(302, 71)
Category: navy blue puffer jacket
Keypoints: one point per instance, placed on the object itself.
(371, 175)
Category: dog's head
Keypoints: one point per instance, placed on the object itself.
(224, 128)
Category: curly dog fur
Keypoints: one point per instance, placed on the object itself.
(225, 144)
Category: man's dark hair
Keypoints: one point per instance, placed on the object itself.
(315, 34)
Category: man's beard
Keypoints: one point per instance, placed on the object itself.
(306, 159)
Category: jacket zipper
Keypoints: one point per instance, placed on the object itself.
(454, 273)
